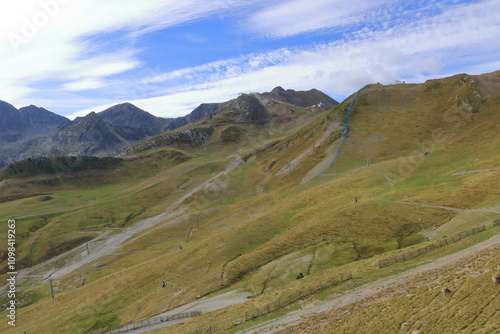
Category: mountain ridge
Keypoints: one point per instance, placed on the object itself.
(418, 168)
(104, 132)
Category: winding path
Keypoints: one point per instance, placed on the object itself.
(334, 126)
(367, 290)
(456, 210)
(476, 171)
(105, 245)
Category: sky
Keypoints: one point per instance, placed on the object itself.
(169, 56)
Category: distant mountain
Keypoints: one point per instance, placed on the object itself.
(244, 109)
(279, 104)
(263, 112)
(136, 122)
(26, 122)
(42, 119)
(89, 135)
(301, 98)
(11, 126)
(34, 131)
(203, 110)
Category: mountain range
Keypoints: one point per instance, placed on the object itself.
(264, 212)
(34, 131)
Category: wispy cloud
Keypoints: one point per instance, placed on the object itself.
(294, 17)
(60, 40)
(76, 48)
(411, 52)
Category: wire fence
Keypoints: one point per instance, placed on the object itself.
(435, 245)
(291, 298)
(147, 322)
(277, 304)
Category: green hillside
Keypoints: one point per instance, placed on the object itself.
(253, 205)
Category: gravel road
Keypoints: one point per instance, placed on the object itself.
(367, 290)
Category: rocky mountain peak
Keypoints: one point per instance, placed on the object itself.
(301, 98)
(128, 115)
(245, 108)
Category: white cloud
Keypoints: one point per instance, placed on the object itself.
(84, 84)
(294, 17)
(59, 39)
(70, 51)
(420, 50)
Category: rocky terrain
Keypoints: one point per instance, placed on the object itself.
(32, 131)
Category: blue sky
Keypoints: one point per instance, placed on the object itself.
(167, 57)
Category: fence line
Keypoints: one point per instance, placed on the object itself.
(290, 299)
(435, 245)
(279, 303)
(287, 300)
(147, 322)
(204, 330)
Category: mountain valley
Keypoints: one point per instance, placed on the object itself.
(286, 197)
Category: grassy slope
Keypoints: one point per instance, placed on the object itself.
(262, 236)
(420, 305)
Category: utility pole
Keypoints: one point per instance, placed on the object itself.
(51, 288)
(198, 221)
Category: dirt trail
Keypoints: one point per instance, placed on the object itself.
(237, 161)
(476, 171)
(105, 245)
(204, 305)
(367, 290)
(322, 165)
(433, 206)
(456, 210)
(334, 126)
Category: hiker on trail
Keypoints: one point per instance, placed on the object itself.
(163, 284)
(355, 200)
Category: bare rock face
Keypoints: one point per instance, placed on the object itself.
(26, 122)
(301, 98)
(134, 121)
(33, 131)
(245, 109)
(200, 112)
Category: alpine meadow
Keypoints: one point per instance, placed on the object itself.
(274, 212)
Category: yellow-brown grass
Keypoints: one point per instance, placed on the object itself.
(261, 236)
